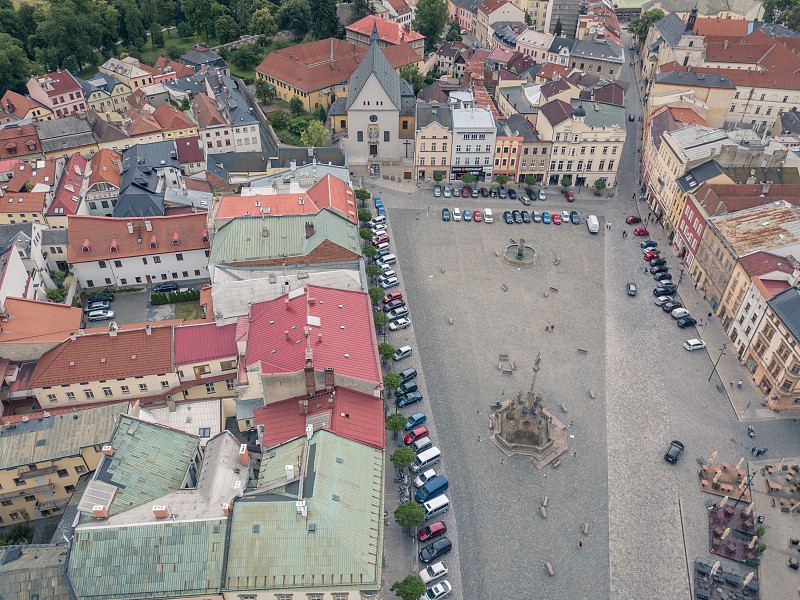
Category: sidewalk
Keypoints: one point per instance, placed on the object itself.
(746, 402)
(399, 550)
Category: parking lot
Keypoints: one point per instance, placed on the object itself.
(495, 499)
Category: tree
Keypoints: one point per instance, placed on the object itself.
(391, 381)
(454, 33)
(296, 106)
(372, 270)
(437, 176)
(502, 179)
(185, 103)
(20, 532)
(528, 19)
(315, 134)
(599, 185)
(263, 92)
(366, 233)
(326, 22)
(156, 36)
(14, 65)
(530, 180)
(362, 8)
(364, 215)
(227, 29)
(468, 178)
(131, 25)
(566, 181)
(410, 72)
(430, 17)
(262, 22)
(295, 15)
(385, 350)
(402, 457)
(371, 252)
(362, 195)
(70, 30)
(411, 588)
(185, 29)
(381, 320)
(558, 28)
(640, 25)
(395, 423)
(409, 515)
(246, 56)
(202, 15)
(376, 293)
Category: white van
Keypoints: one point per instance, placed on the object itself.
(379, 220)
(488, 217)
(592, 224)
(389, 259)
(435, 507)
(426, 459)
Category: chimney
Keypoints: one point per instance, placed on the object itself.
(226, 508)
(244, 455)
(112, 331)
(725, 45)
(160, 512)
(289, 470)
(309, 431)
(148, 329)
(311, 385)
(319, 338)
(73, 336)
(148, 225)
(100, 511)
(329, 381)
(309, 229)
(108, 450)
(286, 302)
(130, 227)
(286, 333)
(293, 165)
(238, 488)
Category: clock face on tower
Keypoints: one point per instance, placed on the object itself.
(373, 118)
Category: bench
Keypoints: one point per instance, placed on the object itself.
(549, 568)
(555, 463)
(504, 357)
(583, 350)
(507, 371)
(505, 287)
(554, 289)
(564, 408)
(544, 501)
(585, 528)
(544, 511)
(591, 394)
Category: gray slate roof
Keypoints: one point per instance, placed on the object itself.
(518, 125)
(375, 62)
(54, 236)
(561, 42)
(790, 121)
(139, 179)
(593, 50)
(194, 84)
(671, 29)
(787, 306)
(10, 232)
(203, 57)
(428, 113)
(699, 175)
(607, 115)
(325, 155)
(227, 92)
(694, 79)
(64, 133)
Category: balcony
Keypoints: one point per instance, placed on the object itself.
(52, 504)
(26, 491)
(36, 473)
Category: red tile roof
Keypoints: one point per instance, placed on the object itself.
(389, 31)
(93, 357)
(190, 150)
(716, 26)
(487, 7)
(400, 55)
(556, 111)
(199, 185)
(68, 192)
(687, 116)
(98, 233)
(761, 263)
(34, 322)
(206, 112)
(399, 6)
(22, 202)
(197, 343)
(60, 82)
(553, 71)
(39, 171)
(16, 139)
(166, 65)
(354, 415)
(106, 168)
(141, 123)
(768, 54)
(170, 118)
(721, 198)
(19, 105)
(342, 318)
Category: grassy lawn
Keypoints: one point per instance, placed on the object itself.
(189, 311)
(185, 44)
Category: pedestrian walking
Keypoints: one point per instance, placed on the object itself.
(547, 327)
(764, 451)
(758, 453)
(552, 327)
(731, 383)
(580, 544)
(645, 270)
(739, 384)
(753, 450)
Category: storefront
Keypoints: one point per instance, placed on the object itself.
(481, 173)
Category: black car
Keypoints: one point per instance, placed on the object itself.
(526, 218)
(445, 214)
(484, 192)
(410, 398)
(686, 322)
(649, 244)
(438, 548)
(663, 276)
(507, 217)
(655, 262)
(573, 216)
(670, 306)
(517, 216)
(512, 194)
(531, 194)
(167, 286)
(101, 297)
(672, 455)
(659, 269)
(664, 290)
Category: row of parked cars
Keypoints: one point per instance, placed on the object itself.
(525, 196)
(98, 307)
(522, 216)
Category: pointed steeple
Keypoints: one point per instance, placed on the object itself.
(374, 36)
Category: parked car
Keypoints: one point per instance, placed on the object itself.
(406, 388)
(648, 244)
(662, 300)
(671, 305)
(415, 434)
(517, 216)
(573, 216)
(415, 420)
(662, 291)
(640, 231)
(663, 276)
(408, 374)
(674, 451)
(101, 297)
(686, 322)
(473, 192)
(447, 192)
(411, 398)
(477, 217)
(433, 571)
(437, 191)
(633, 219)
(389, 283)
(456, 214)
(387, 306)
(402, 352)
(465, 192)
(512, 194)
(630, 289)
(531, 194)
(393, 296)
(435, 550)
(399, 324)
(440, 590)
(380, 239)
(669, 286)
(493, 192)
(93, 306)
(502, 193)
(467, 215)
(445, 214)
(657, 261)
(542, 195)
(484, 192)
(651, 255)
(167, 286)
(556, 219)
(568, 195)
(508, 218)
(400, 311)
(525, 197)
(694, 344)
(679, 313)
(546, 218)
(100, 315)
(431, 531)
(536, 216)
(424, 478)
(526, 218)
(390, 274)
(386, 268)
(658, 269)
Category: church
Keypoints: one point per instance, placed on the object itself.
(379, 112)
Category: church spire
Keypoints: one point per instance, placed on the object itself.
(374, 36)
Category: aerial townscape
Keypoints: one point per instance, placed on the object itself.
(273, 274)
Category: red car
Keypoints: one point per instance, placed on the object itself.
(556, 219)
(415, 434)
(640, 231)
(431, 531)
(651, 255)
(393, 296)
(569, 196)
(632, 219)
(477, 217)
(380, 239)
(465, 192)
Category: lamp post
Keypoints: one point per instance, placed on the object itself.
(721, 352)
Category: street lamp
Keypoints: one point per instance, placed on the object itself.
(721, 352)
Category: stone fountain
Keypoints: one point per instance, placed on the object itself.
(520, 255)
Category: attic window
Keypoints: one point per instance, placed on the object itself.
(85, 245)
(153, 241)
(114, 246)
(176, 239)
(256, 527)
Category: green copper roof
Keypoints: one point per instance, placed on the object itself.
(149, 461)
(272, 546)
(156, 560)
(34, 571)
(243, 239)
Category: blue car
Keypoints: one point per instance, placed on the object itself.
(378, 202)
(381, 211)
(467, 215)
(415, 420)
(445, 214)
(546, 218)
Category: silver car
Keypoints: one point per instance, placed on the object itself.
(447, 191)
(437, 191)
(100, 315)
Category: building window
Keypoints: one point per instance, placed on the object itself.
(360, 136)
(62, 473)
(15, 516)
(89, 394)
(157, 259)
(142, 387)
(117, 263)
(385, 136)
(230, 383)
(210, 388)
(80, 469)
(101, 264)
(164, 385)
(6, 503)
(19, 482)
(30, 498)
(70, 395)
(51, 397)
(179, 256)
(107, 391)
(227, 365)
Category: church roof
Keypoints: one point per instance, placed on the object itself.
(375, 62)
